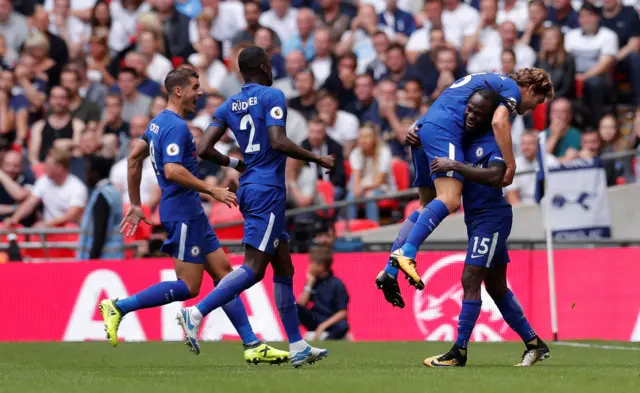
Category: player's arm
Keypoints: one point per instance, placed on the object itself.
(280, 142)
(502, 131)
(135, 160)
(207, 150)
(491, 176)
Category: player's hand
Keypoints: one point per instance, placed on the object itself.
(508, 176)
(241, 167)
(412, 139)
(328, 162)
(225, 196)
(131, 220)
(443, 164)
(318, 333)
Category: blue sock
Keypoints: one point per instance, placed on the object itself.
(467, 320)
(286, 304)
(162, 293)
(406, 227)
(230, 286)
(238, 316)
(513, 315)
(428, 221)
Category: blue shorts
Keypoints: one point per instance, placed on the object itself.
(436, 142)
(191, 240)
(263, 210)
(488, 239)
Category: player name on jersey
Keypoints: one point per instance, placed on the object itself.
(243, 105)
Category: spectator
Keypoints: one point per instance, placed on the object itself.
(486, 35)
(371, 172)
(323, 63)
(101, 18)
(45, 68)
(100, 237)
(342, 81)
(89, 146)
(341, 126)
(364, 87)
(227, 20)
(252, 17)
(134, 103)
(91, 87)
(378, 67)
(420, 41)
(488, 60)
(516, 12)
(327, 317)
(144, 84)
(175, 26)
(446, 66)
(426, 63)
(112, 129)
(59, 129)
(125, 13)
(13, 26)
(532, 35)
(31, 86)
(58, 50)
(562, 14)
(14, 110)
(522, 190)
(559, 64)
(301, 185)
(98, 61)
(233, 83)
(337, 16)
(590, 145)
(508, 60)
(359, 39)
(62, 195)
(68, 26)
(149, 191)
(228, 177)
(614, 142)
(387, 114)
(624, 21)
(158, 104)
(303, 40)
(305, 103)
(8, 56)
(297, 129)
(400, 21)
(79, 9)
(320, 143)
(265, 40)
(414, 96)
(398, 69)
(158, 66)
(281, 18)
(211, 70)
(81, 108)
(561, 136)
(294, 62)
(14, 186)
(464, 21)
(595, 49)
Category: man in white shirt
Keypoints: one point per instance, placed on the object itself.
(522, 190)
(342, 127)
(293, 63)
(594, 48)
(322, 62)
(419, 40)
(463, 17)
(63, 195)
(489, 58)
(228, 20)
(515, 11)
(486, 34)
(212, 71)
(281, 18)
(13, 26)
(149, 190)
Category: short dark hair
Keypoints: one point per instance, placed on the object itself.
(322, 255)
(100, 165)
(305, 71)
(349, 55)
(180, 77)
(251, 59)
(489, 94)
(129, 70)
(324, 93)
(510, 52)
(416, 81)
(70, 69)
(396, 46)
(114, 95)
(317, 120)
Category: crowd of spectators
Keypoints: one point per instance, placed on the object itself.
(83, 77)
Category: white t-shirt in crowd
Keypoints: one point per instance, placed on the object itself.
(463, 21)
(526, 183)
(229, 22)
(419, 39)
(489, 58)
(588, 49)
(363, 46)
(411, 6)
(158, 68)
(123, 24)
(58, 199)
(77, 31)
(75, 5)
(519, 15)
(216, 72)
(346, 128)
(148, 183)
(286, 27)
(297, 129)
(365, 164)
(321, 69)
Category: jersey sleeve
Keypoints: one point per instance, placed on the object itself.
(275, 107)
(511, 94)
(219, 116)
(174, 144)
(496, 157)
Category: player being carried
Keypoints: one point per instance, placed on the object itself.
(257, 117)
(488, 217)
(190, 238)
(441, 131)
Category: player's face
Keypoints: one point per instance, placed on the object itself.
(190, 95)
(530, 101)
(478, 113)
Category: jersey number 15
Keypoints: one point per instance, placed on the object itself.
(246, 123)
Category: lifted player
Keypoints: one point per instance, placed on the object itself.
(257, 117)
(190, 238)
(488, 217)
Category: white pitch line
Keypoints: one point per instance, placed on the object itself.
(597, 346)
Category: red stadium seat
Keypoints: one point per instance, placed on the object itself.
(325, 189)
(355, 226)
(579, 86)
(400, 170)
(63, 238)
(540, 117)
(347, 170)
(411, 207)
(221, 213)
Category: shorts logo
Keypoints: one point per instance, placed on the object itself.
(173, 150)
(479, 152)
(195, 251)
(276, 242)
(277, 113)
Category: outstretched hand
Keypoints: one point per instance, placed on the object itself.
(131, 221)
(225, 196)
(442, 164)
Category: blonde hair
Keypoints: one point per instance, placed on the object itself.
(37, 39)
(150, 22)
(535, 77)
(60, 156)
(560, 56)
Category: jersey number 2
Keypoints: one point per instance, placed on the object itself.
(246, 123)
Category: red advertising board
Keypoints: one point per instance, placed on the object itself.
(597, 297)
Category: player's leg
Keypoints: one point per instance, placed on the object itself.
(300, 352)
(512, 312)
(436, 142)
(187, 285)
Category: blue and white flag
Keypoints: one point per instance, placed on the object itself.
(576, 194)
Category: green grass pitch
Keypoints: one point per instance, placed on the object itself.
(96, 367)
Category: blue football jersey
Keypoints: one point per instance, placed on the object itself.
(170, 141)
(449, 108)
(478, 198)
(248, 115)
